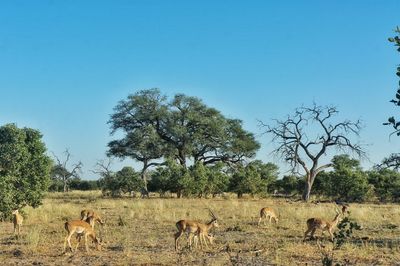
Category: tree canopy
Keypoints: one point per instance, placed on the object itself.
(182, 128)
(24, 168)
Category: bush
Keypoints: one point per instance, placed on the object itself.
(124, 181)
(386, 184)
(247, 180)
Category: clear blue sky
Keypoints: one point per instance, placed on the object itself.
(65, 64)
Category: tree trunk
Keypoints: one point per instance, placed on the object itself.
(143, 175)
(65, 185)
(179, 194)
(182, 158)
(307, 189)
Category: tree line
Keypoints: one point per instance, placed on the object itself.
(346, 182)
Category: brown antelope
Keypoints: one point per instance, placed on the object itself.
(17, 221)
(195, 229)
(80, 227)
(316, 223)
(91, 218)
(268, 213)
(85, 214)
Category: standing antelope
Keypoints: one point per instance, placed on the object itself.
(80, 227)
(316, 223)
(86, 214)
(91, 218)
(17, 221)
(268, 213)
(195, 229)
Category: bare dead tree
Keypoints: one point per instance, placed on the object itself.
(60, 170)
(304, 138)
(103, 168)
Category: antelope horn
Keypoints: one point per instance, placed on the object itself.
(212, 214)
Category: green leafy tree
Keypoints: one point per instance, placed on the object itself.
(123, 181)
(156, 129)
(159, 181)
(247, 180)
(129, 180)
(200, 176)
(173, 177)
(85, 185)
(199, 180)
(386, 184)
(348, 182)
(182, 128)
(289, 184)
(268, 173)
(218, 179)
(24, 168)
(110, 186)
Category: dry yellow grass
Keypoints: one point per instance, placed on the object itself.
(147, 236)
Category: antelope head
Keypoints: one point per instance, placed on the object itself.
(213, 218)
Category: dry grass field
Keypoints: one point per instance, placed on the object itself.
(140, 231)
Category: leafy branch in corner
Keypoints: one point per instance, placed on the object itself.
(391, 120)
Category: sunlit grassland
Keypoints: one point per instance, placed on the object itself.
(149, 224)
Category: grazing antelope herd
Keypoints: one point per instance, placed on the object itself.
(199, 230)
(195, 231)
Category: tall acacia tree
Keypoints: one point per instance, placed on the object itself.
(182, 128)
(304, 138)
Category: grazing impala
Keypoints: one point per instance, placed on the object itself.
(268, 213)
(17, 221)
(86, 214)
(195, 229)
(316, 223)
(80, 227)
